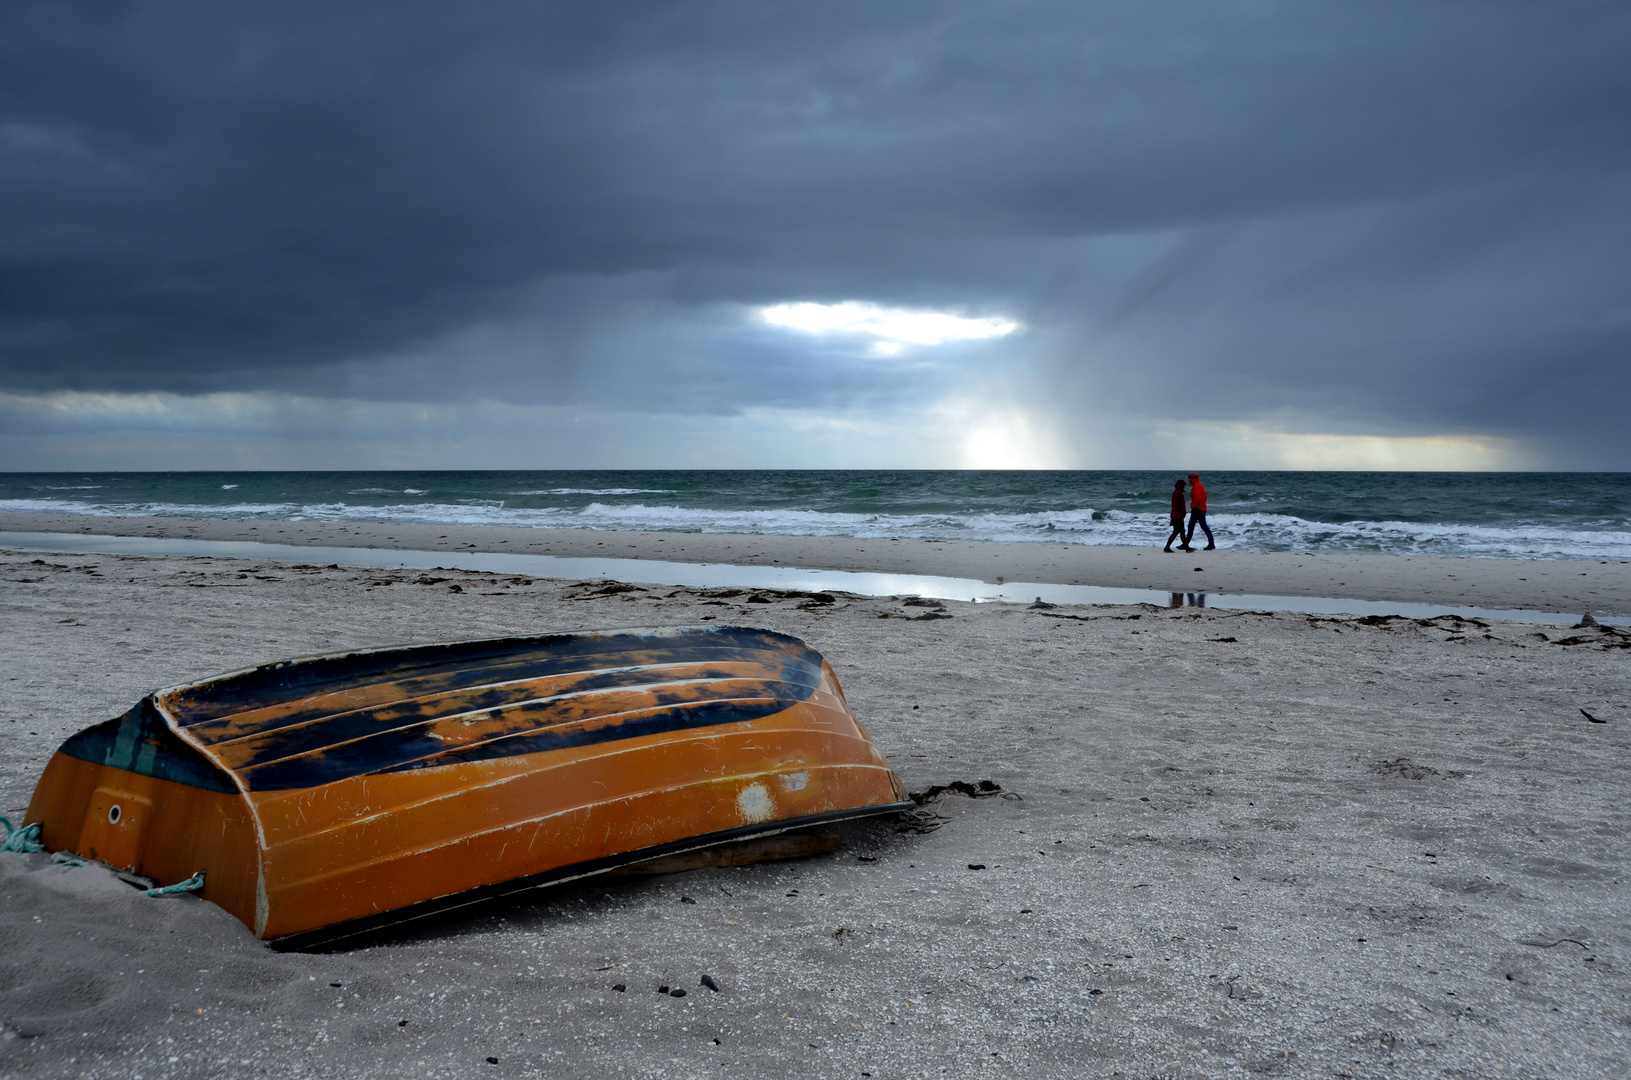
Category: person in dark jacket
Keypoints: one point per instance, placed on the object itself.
(1177, 517)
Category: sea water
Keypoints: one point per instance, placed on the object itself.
(1525, 515)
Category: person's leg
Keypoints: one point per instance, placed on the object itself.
(1210, 543)
(1177, 533)
(1194, 516)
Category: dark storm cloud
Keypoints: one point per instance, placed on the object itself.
(1405, 213)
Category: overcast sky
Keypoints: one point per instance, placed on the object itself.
(335, 235)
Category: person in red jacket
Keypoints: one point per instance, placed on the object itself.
(1197, 512)
(1177, 517)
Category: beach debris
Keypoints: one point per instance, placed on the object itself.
(1199, 569)
(1592, 718)
(686, 900)
(1041, 605)
(717, 597)
(678, 991)
(980, 789)
(1223, 640)
(1585, 621)
(455, 588)
(1609, 637)
(1457, 619)
(708, 981)
(976, 866)
(592, 589)
(621, 988)
(492, 1061)
(1239, 993)
(841, 933)
(1410, 771)
(937, 609)
(921, 820)
(663, 989)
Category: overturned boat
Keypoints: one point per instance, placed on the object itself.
(328, 796)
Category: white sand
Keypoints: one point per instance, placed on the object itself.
(1222, 875)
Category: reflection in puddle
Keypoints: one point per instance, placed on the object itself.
(1186, 599)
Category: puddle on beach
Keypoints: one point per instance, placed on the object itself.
(716, 575)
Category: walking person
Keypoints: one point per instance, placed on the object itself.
(1177, 517)
(1197, 513)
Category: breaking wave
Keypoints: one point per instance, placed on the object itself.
(1086, 525)
(1533, 515)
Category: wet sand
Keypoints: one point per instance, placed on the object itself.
(1247, 844)
(1576, 586)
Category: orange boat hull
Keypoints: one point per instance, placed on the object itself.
(444, 783)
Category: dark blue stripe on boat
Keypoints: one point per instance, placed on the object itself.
(224, 724)
(342, 762)
(468, 664)
(385, 733)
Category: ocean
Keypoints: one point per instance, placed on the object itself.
(1510, 515)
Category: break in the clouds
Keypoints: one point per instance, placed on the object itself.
(851, 234)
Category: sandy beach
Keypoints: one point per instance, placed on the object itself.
(1561, 585)
(1247, 844)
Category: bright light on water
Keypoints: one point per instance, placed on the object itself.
(891, 324)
